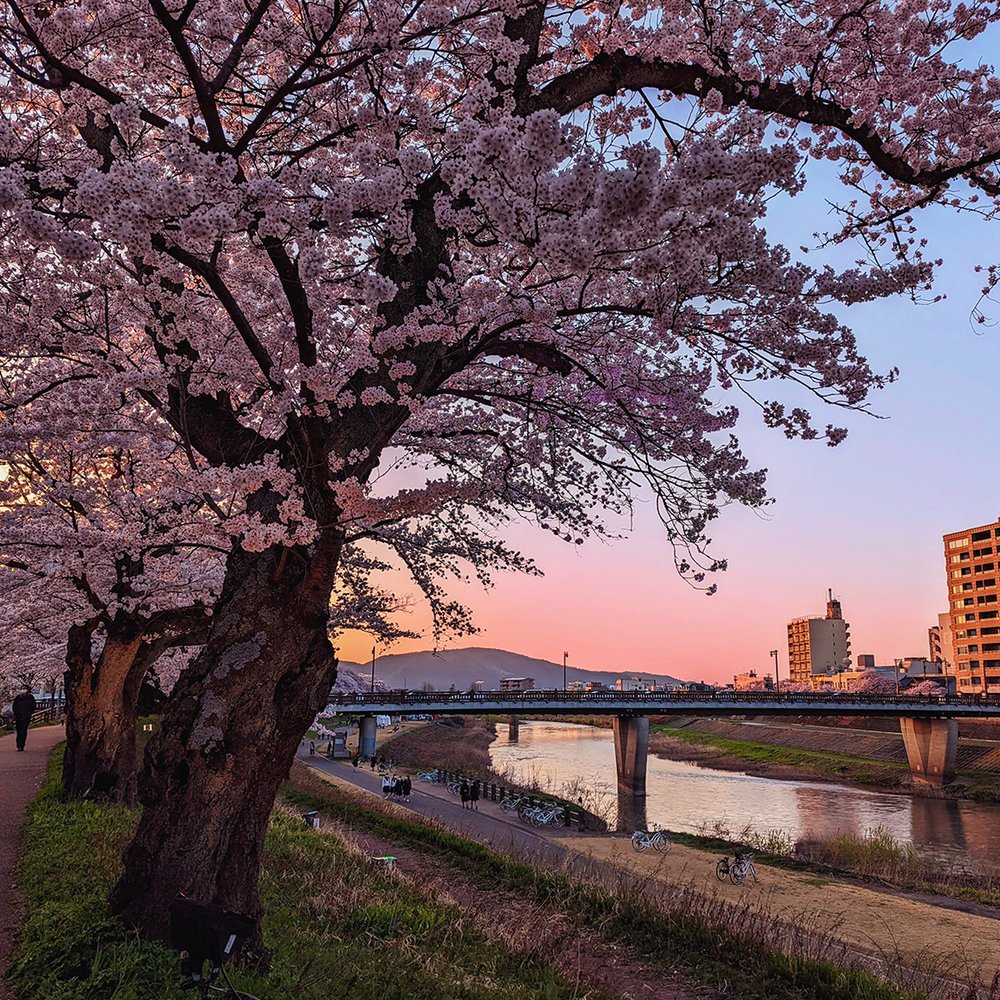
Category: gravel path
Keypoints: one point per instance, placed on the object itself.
(20, 776)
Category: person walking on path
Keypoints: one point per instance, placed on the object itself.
(474, 795)
(24, 708)
(464, 793)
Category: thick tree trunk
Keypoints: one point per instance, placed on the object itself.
(228, 737)
(101, 714)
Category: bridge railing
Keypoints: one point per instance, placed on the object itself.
(597, 698)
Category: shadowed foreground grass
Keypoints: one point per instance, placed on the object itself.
(734, 951)
(335, 926)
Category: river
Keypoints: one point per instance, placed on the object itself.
(576, 760)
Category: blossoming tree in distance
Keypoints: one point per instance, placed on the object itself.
(516, 246)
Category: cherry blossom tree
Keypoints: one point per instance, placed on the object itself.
(926, 687)
(872, 682)
(520, 246)
(127, 571)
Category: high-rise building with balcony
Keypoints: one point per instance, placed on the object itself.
(974, 606)
(818, 645)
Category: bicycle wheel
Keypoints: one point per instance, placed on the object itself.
(557, 822)
(661, 842)
(722, 870)
(535, 818)
(639, 842)
(737, 873)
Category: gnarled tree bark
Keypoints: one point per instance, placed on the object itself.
(102, 698)
(228, 737)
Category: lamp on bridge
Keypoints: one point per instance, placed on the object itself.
(565, 658)
(777, 682)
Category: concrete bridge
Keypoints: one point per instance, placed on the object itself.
(928, 722)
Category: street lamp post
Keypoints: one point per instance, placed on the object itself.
(565, 658)
(373, 669)
(777, 682)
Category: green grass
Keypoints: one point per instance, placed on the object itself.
(864, 770)
(334, 925)
(678, 932)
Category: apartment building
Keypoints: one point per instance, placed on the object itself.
(517, 683)
(818, 646)
(974, 606)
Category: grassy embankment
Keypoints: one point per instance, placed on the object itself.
(775, 760)
(763, 756)
(336, 926)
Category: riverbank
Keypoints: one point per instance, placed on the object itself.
(455, 743)
(843, 751)
(698, 927)
(874, 760)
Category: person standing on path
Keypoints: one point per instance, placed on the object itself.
(24, 708)
(464, 793)
(474, 795)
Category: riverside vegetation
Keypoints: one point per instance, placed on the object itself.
(335, 925)
(874, 855)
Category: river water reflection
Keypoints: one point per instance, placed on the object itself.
(563, 757)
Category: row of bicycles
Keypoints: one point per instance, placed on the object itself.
(436, 777)
(537, 814)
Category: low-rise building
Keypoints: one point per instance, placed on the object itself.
(749, 681)
(516, 684)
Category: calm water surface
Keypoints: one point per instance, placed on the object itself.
(580, 760)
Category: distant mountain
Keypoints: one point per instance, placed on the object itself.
(462, 667)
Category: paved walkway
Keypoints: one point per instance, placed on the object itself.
(21, 775)
(489, 825)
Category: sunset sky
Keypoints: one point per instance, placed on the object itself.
(865, 518)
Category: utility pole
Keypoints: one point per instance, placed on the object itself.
(373, 669)
(777, 682)
(565, 658)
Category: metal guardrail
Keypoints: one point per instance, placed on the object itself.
(539, 699)
(572, 815)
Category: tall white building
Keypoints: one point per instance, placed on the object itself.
(818, 645)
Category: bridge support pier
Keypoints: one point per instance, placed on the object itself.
(366, 736)
(631, 748)
(513, 728)
(930, 748)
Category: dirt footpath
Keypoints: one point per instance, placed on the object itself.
(892, 926)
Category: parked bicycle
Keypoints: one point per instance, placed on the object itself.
(539, 816)
(657, 839)
(386, 766)
(513, 803)
(431, 777)
(736, 870)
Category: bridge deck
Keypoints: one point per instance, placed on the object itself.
(661, 703)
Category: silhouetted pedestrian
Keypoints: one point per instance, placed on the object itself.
(464, 793)
(24, 708)
(312, 748)
(407, 788)
(474, 795)
(354, 760)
